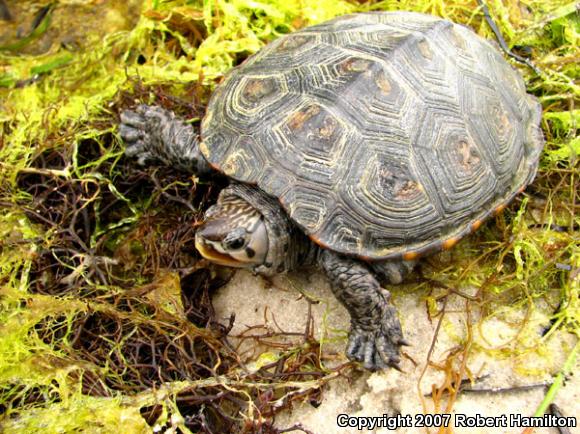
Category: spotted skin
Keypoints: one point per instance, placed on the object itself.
(364, 143)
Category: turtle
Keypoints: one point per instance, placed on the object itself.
(358, 145)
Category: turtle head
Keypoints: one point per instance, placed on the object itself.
(233, 234)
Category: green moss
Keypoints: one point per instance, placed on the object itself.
(81, 413)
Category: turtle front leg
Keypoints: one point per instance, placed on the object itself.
(375, 335)
(152, 133)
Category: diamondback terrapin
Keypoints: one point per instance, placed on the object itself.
(359, 144)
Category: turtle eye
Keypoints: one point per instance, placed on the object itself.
(235, 240)
(235, 244)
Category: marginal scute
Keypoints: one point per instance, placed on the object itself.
(383, 135)
(204, 150)
(499, 209)
(476, 225)
(410, 256)
(449, 243)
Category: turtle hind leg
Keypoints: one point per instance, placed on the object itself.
(154, 134)
(375, 336)
(393, 272)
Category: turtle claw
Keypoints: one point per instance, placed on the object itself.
(132, 118)
(130, 133)
(375, 335)
(141, 131)
(133, 131)
(354, 347)
(396, 367)
(404, 343)
(155, 135)
(378, 348)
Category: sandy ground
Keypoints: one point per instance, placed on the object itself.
(279, 304)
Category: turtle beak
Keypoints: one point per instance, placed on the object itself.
(204, 238)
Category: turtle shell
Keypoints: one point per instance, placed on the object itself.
(383, 135)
